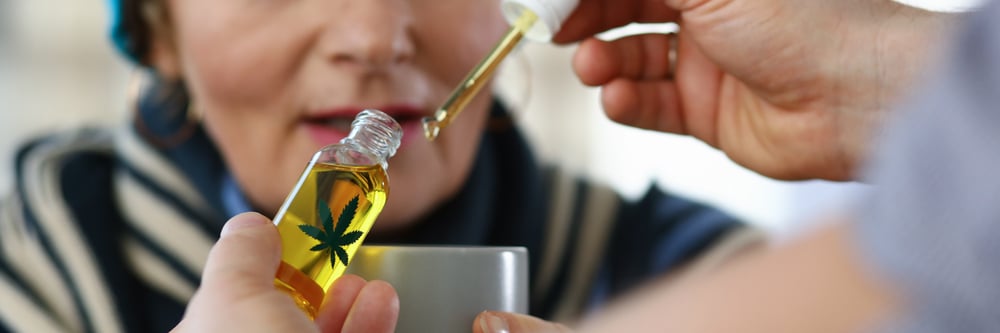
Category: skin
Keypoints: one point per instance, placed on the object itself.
(792, 94)
(257, 69)
(237, 293)
(815, 284)
(791, 89)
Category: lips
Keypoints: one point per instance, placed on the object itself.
(330, 126)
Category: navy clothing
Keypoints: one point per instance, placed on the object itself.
(933, 224)
(124, 225)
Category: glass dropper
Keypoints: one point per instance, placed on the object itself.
(478, 77)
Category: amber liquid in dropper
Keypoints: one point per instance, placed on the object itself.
(309, 266)
(478, 78)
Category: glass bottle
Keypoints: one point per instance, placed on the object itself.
(333, 206)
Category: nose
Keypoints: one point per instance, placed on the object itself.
(369, 35)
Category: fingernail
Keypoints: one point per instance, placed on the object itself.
(491, 323)
(243, 221)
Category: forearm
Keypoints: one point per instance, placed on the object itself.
(817, 284)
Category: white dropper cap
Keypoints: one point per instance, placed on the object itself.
(551, 14)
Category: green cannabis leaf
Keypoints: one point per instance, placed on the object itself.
(330, 238)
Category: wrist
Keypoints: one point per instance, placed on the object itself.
(888, 47)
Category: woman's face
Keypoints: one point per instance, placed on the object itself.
(278, 79)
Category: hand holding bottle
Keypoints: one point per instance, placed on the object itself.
(318, 241)
(790, 89)
(237, 292)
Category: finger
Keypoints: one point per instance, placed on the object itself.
(700, 90)
(595, 16)
(339, 300)
(644, 96)
(639, 57)
(375, 310)
(652, 105)
(506, 322)
(246, 256)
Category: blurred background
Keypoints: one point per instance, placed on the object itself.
(58, 70)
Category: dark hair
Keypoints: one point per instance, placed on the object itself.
(132, 34)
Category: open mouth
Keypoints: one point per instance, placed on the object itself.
(406, 119)
(339, 124)
(332, 125)
(343, 123)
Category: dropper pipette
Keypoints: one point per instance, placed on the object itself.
(478, 77)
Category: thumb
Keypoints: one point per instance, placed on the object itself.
(506, 322)
(247, 254)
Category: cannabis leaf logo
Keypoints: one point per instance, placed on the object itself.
(331, 239)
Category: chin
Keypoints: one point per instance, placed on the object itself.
(392, 219)
(404, 208)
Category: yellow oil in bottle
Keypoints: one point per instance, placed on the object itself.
(316, 245)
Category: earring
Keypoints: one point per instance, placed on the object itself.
(151, 97)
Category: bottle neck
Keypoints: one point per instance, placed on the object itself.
(375, 133)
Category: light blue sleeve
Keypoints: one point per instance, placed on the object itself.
(933, 225)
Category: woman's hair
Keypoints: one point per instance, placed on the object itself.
(133, 24)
